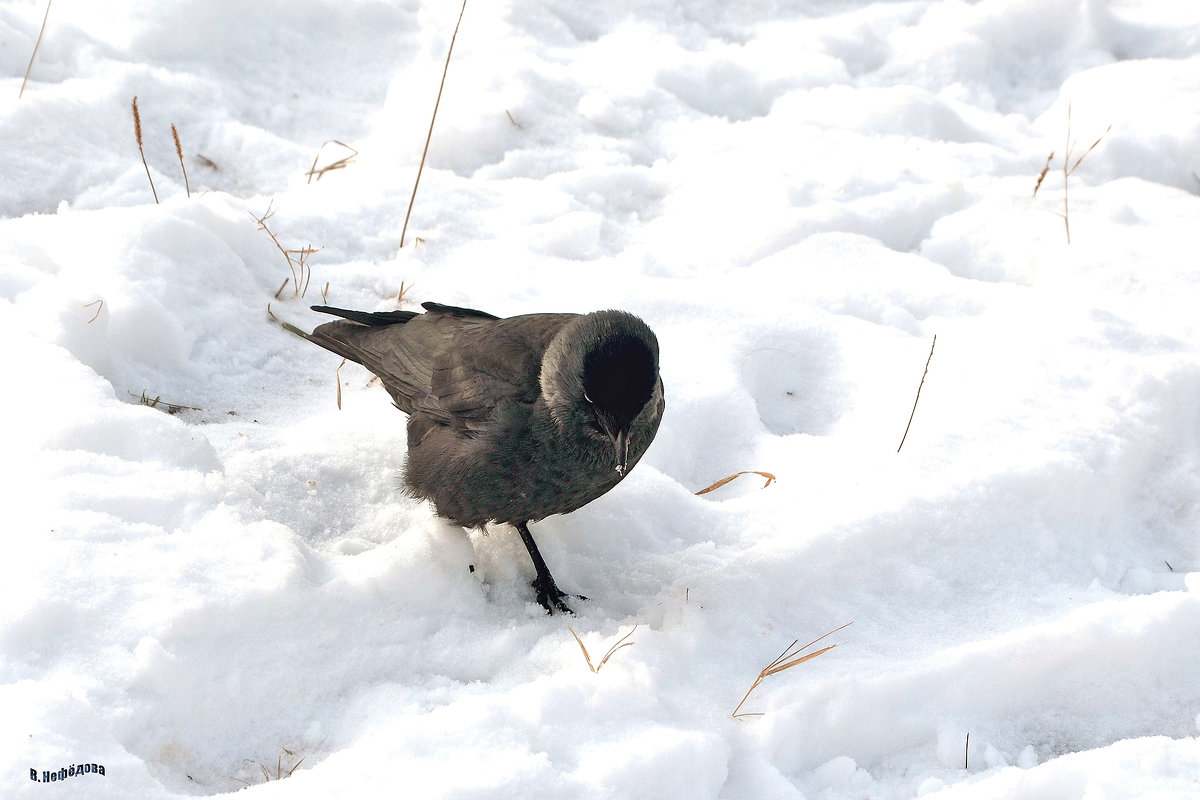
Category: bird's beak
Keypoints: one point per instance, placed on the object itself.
(621, 444)
(619, 436)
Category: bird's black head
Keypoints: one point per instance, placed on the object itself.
(618, 377)
(599, 375)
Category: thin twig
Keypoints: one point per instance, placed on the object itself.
(918, 398)
(967, 752)
(179, 152)
(429, 136)
(137, 132)
(36, 45)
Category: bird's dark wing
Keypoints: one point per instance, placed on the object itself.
(454, 365)
(486, 362)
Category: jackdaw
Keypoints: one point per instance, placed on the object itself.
(515, 419)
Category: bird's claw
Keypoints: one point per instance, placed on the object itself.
(551, 598)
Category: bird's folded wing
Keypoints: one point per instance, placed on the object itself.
(452, 364)
(486, 364)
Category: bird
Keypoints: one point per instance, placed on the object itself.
(510, 420)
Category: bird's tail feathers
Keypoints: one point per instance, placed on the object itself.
(374, 319)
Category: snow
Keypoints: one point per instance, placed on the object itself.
(797, 197)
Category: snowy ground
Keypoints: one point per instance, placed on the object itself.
(797, 197)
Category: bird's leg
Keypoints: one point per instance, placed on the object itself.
(548, 594)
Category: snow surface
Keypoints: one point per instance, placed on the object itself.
(797, 196)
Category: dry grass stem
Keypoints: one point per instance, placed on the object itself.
(137, 133)
(617, 646)
(770, 479)
(1042, 175)
(205, 161)
(301, 271)
(325, 293)
(920, 386)
(280, 772)
(1068, 169)
(36, 45)
(157, 402)
(302, 255)
(789, 658)
(403, 290)
(337, 378)
(341, 163)
(99, 307)
(432, 119)
(179, 153)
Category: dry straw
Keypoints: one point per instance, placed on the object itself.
(301, 271)
(36, 45)
(280, 772)
(179, 153)
(99, 308)
(157, 402)
(432, 119)
(789, 658)
(137, 133)
(617, 646)
(1068, 169)
(337, 378)
(728, 478)
(921, 385)
(341, 163)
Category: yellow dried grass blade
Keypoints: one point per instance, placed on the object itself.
(619, 644)
(770, 479)
(586, 657)
(786, 660)
(795, 661)
(337, 378)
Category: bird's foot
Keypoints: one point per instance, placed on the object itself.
(551, 598)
